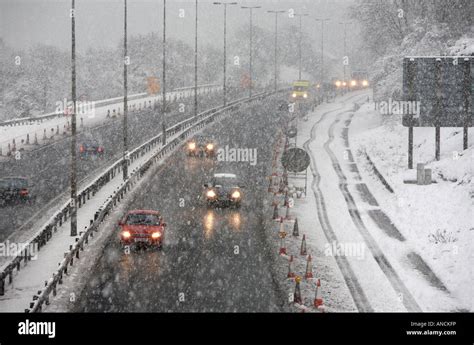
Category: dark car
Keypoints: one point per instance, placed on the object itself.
(223, 190)
(201, 146)
(91, 148)
(15, 190)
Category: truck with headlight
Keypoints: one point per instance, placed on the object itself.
(300, 90)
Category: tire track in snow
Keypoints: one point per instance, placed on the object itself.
(392, 276)
(360, 299)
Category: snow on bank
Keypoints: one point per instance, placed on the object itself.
(437, 219)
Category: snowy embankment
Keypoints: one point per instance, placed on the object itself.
(436, 219)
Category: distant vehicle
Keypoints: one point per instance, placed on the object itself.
(300, 90)
(201, 146)
(90, 148)
(359, 80)
(223, 190)
(142, 228)
(15, 190)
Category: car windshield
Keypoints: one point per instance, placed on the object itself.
(225, 181)
(299, 88)
(14, 183)
(142, 219)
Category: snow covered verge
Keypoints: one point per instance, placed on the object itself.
(321, 279)
(437, 219)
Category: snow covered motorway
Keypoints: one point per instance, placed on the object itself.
(101, 196)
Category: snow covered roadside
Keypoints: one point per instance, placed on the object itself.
(333, 288)
(438, 219)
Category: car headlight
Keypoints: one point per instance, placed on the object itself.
(126, 234)
(338, 83)
(353, 83)
(211, 194)
(305, 95)
(156, 235)
(294, 95)
(344, 83)
(235, 194)
(210, 147)
(365, 83)
(192, 146)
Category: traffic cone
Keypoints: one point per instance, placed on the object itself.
(318, 300)
(309, 268)
(296, 232)
(282, 235)
(297, 294)
(303, 250)
(291, 274)
(282, 246)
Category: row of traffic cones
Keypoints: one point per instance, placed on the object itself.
(279, 186)
(318, 302)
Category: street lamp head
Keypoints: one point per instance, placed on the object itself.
(277, 11)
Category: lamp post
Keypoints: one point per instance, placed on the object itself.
(250, 8)
(125, 100)
(345, 56)
(73, 177)
(300, 16)
(196, 61)
(163, 110)
(276, 12)
(225, 4)
(321, 74)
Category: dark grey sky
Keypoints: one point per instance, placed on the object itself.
(24, 23)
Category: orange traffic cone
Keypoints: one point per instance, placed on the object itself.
(318, 300)
(303, 250)
(297, 295)
(282, 235)
(309, 268)
(291, 274)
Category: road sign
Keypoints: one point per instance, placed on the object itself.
(295, 160)
(438, 92)
(153, 85)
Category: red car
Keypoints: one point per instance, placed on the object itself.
(142, 228)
